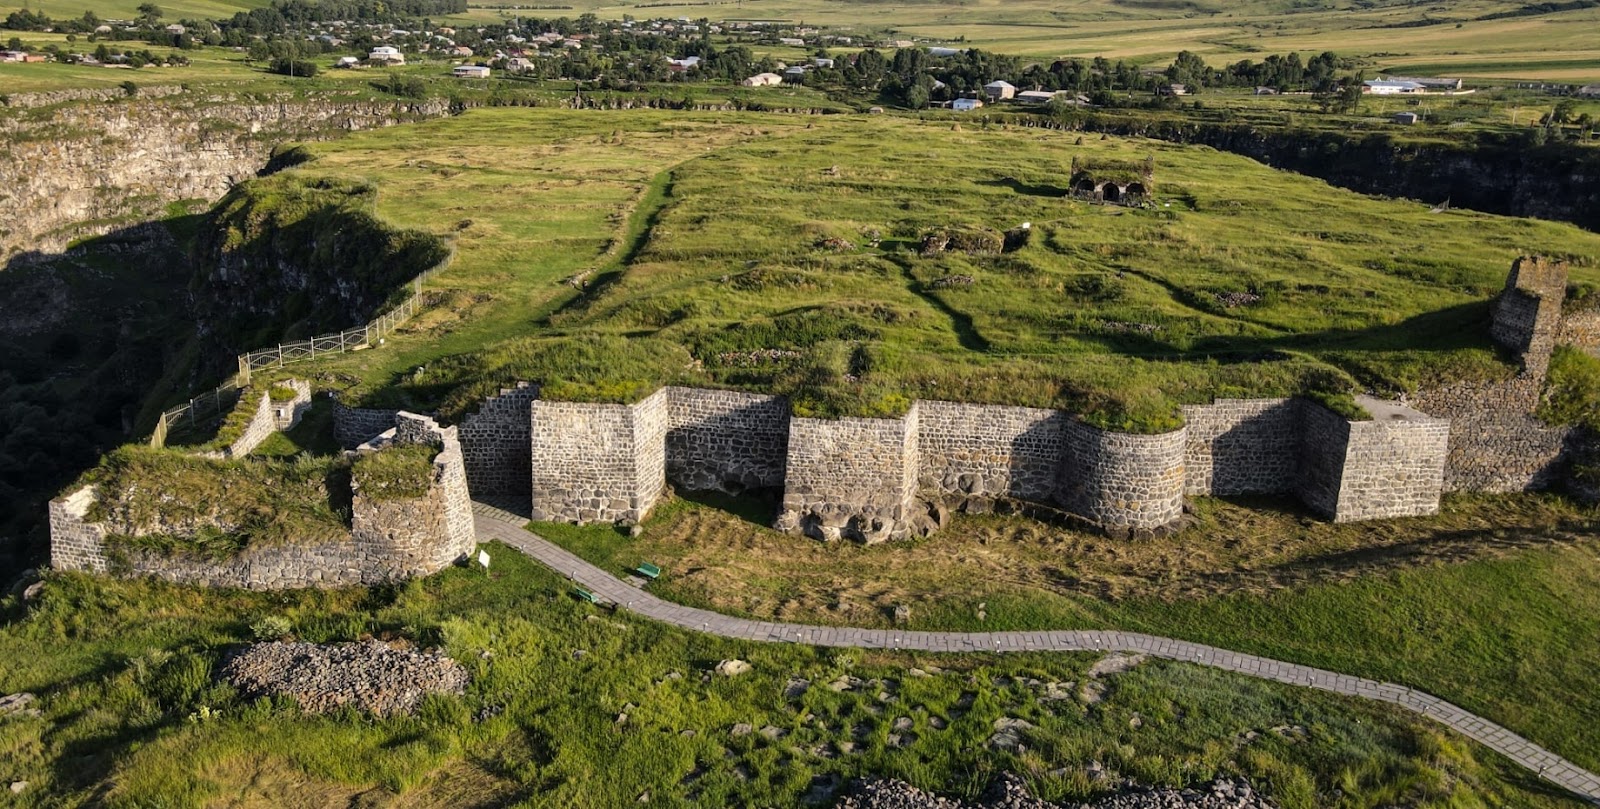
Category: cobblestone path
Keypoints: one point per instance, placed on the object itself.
(494, 523)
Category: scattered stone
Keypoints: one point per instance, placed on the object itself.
(32, 591)
(1056, 691)
(773, 733)
(742, 729)
(622, 718)
(846, 683)
(1135, 722)
(937, 723)
(1010, 792)
(847, 748)
(919, 673)
(900, 740)
(1115, 663)
(902, 723)
(579, 654)
(732, 668)
(18, 704)
(636, 531)
(17, 787)
(821, 789)
(644, 797)
(796, 688)
(688, 734)
(1092, 692)
(1008, 733)
(902, 613)
(371, 676)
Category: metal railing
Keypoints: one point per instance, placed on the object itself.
(210, 403)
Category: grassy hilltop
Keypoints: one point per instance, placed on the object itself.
(609, 254)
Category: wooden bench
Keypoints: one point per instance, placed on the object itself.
(648, 570)
(586, 595)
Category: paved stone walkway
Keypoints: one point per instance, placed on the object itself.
(498, 523)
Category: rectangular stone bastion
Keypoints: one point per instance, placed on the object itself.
(873, 479)
(390, 539)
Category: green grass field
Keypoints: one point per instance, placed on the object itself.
(700, 239)
(1489, 605)
(131, 715)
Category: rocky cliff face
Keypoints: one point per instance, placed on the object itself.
(84, 168)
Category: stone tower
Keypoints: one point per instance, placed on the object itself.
(1527, 316)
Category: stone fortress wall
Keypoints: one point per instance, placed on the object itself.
(497, 444)
(887, 478)
(389, 540)
(873, 479)
(269, 417)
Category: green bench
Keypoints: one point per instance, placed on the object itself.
(586, 595)
(648, 570)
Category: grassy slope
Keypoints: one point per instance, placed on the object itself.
(132, 716)
(539, 196)
(1493, 606)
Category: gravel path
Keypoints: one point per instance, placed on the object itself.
(494, 523)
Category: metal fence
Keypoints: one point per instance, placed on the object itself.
(210, 403)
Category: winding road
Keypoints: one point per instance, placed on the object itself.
(497, 524)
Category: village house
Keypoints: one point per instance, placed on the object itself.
(1172, 90)
(966, 104)
(999, 90)
(1589, 91)
(793, 42)
(347, 62)
(1406, 118)
(943, 51)
(1038, 96)
(822, 61)
(794, 75)
(763, 80)
(386, 55)
(1266, 91)
(470, 72)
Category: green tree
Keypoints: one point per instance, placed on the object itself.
(149, 13)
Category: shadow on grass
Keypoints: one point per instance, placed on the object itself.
(1025, 189)
(755, 506)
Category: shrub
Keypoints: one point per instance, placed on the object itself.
(270, 627)
(286, 66)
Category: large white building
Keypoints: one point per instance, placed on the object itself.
(384, 53)
(1387, 87)
(763, 80)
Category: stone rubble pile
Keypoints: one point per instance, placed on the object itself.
(371, 676)
(1009, 792)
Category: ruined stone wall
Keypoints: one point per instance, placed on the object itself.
(1123, 482)
(1496, 443)
(496, 442)
(851, 478)
(389, 540)
(1391, 466)
(650, 423)
(721, 440)
(269, 417)
(354, 426)
(1324, 443)
(287, 414)
(968, 451)
(1242, 446)
(1581, 329)
(1393, 469)
(590, 463)
(1527, 316)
